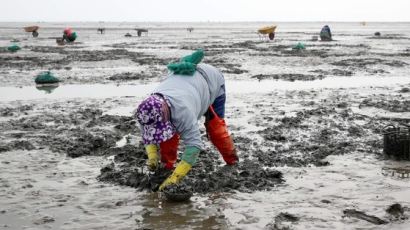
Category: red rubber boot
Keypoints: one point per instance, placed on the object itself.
(168, 151)
(219, 136)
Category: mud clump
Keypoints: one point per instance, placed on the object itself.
(288, 77)
(306, 53)
(128, 168)
(44, 220)
(9, 111)
(273, 134)
(396, 212)
(283, 221)
(16, 145)
(206, 176)
(68, 56)
(333, 72)
(363, 216)
(404, 90)
(91, 144)
(127, 76)
(355, 131)
(363, 63)
(178, 193)
(225, 66)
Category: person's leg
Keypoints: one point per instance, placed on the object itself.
(168, 151)
(218, 131)
(218, 105)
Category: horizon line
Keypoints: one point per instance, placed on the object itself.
(207, 21)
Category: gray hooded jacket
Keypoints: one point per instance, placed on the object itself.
(189, 98)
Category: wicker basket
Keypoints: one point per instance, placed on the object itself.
(397, 141)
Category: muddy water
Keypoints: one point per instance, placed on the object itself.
(235, 87)
(316, 117)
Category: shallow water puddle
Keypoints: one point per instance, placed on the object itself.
(233, 87)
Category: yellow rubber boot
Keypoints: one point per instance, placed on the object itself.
(152, 153)
(179, 172)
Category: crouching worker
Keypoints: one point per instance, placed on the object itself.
(172, 111)
(325, 33)
(69, 35)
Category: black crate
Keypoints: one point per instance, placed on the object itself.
(396, 141)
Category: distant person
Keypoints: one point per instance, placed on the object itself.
(69, 35)
(325, 34)
(172, 112)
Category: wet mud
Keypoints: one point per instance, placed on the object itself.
(333, 72)
(129, 76)
(389, 104)
(225, 65)
(67, 57)
(243, 58)
(77, 133)
(16, 145)
(178, 193)
(363, 63)
(283, 221)
(390, 37)
(208, 175)
(404, 90)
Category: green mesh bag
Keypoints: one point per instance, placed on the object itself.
(46, 78)
(13, 48)
(195, 58)
(187, 64)
(299, 46)
(182, 68)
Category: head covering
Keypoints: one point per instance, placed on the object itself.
(187, 65)
(153, 115)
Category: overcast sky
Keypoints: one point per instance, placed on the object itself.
(205, 10)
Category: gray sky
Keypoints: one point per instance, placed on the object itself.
(205, 10)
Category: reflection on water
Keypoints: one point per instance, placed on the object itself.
(47, 88)
(202, 213)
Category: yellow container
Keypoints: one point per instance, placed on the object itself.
(31, 28)
(267, 30)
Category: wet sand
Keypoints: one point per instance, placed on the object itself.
(307, 126)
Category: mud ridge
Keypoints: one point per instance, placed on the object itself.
(289, 77)
(392, 105)
(363, 216)
(362, 63)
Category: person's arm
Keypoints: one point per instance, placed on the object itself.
(192, 139)
(152, 154)
(189, 158)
